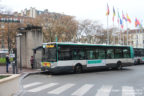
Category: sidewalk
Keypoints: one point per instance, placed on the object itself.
(23, 71)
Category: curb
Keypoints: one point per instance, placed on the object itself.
(21, 91)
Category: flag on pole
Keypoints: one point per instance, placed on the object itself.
(123, 16)
(121, 23)
(137, 23)
(118, 20)
(128, 19)
(113, 14)
(108, 12)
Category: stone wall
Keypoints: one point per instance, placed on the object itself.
(31, 38)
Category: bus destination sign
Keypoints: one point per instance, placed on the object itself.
(50, 46)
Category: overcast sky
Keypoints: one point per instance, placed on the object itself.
(84, 9)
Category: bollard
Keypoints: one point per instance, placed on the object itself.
(13, 66)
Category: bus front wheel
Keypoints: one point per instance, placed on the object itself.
(78, 69)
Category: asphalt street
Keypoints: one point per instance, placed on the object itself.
(126, 82)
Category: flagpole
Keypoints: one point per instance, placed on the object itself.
(118, 28)
(142, 34)
(139, 36)
(107, 25)
(123, 17)
(107, 32)
(143, 37)
(129, 20)
(118, 34)
(113, 32)
(113, 25)
(123, 36)
(136, 39)
(127, 34)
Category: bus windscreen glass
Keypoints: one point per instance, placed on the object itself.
(49, 55)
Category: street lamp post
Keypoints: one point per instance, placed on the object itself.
(20, 52)
(19, 35)
(15, 67)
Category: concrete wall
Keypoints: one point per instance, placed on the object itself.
(38, 56)
(30, 39)
(10, 85)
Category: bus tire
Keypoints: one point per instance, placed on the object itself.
(135, 62)
(119, 66)
(138, 61)
(78, 68)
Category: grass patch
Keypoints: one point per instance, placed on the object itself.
(1, 76)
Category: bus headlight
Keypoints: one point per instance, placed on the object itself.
(53, 65)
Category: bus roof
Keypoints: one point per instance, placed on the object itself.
(84, 44)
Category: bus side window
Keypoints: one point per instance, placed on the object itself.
(81, 54)
(74, 55)
(118, 53)
(110, 54)
(126, 53)
(101, 54)
(142, 52)
(78, 54)
(91, 54)
(64, 54)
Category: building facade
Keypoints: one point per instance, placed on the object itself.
(135, 38)
(32, 12)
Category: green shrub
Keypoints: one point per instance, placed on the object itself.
(3, 60)
(11, 59)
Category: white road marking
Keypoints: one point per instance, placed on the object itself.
(81, 91)
(104, 91)
(128, 91)
(61, 89)
(31, 84)
(42, 87)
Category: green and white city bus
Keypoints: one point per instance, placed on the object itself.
(138, 55)
(59, 57)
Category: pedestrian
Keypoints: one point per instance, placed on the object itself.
(7, 63)
(32, 62)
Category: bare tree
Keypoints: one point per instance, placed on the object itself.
(89, 31)
(58, 26)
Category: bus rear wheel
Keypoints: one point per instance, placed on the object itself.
(138, 61)
(119, 66)
(78, 69)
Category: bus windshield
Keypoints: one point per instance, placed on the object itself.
(49, 55)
